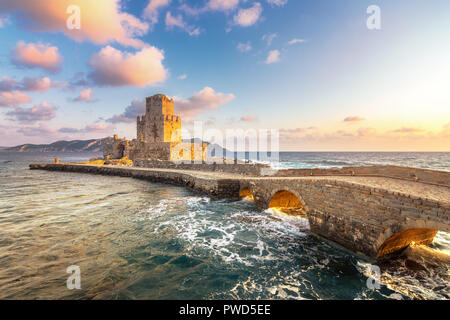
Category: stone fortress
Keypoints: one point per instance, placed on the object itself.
(158, 137)
(373, 210)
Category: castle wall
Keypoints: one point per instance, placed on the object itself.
(187, 152)
(115, 149)
(172, 129)
(153, 151)
(158, 136)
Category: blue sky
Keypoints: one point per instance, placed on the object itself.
(339, 86)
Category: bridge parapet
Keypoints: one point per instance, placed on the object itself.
(356, 216)
(398, 172)
(360, 213)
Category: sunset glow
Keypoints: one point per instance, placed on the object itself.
(316, 73)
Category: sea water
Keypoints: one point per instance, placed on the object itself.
(133, 239)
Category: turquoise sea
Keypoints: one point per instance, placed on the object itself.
(135, 239)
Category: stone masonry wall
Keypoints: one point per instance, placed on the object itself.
(358, 217)
(222, 188)
(244, 169)
(406, 173)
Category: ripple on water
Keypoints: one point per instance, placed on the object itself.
(138, 240)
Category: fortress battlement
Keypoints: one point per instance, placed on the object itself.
(158, 136)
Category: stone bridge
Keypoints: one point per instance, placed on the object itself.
(372, 214)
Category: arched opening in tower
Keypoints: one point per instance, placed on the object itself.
(403, 239)
(246, 194)
(286, 202)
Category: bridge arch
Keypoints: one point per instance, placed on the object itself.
(288, 202)
(246, 193)
(398, 237)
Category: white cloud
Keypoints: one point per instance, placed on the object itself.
(172, 21)
(151, 12)
(269, 37)
(248, 17)
(182, 77)
(294, 41)
(222, 5)
(274, 56)
(211, 5)
(4, 20)
(199, 102)
(244, 47)
(278, 3)
(113, 67)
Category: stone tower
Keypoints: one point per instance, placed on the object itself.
(159, 124)
(158, 137)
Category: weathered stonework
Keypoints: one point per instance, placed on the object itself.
(158, 136)
(360, 213)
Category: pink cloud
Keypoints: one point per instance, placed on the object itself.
(37, 55)
(40, 84)
(101, 21)
(353, 119)
(407, 130)
(136, 108)
(90, 128)
(42, 130)
(99, 127)
(85, 96)
(29, 84)
(248, 118)
(13, 99)
(41, 112)
(204, 100)
(8, 84)
(112, 67)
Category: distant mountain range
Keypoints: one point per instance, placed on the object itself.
(93, 145)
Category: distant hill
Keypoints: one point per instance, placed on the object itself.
(93, 145)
